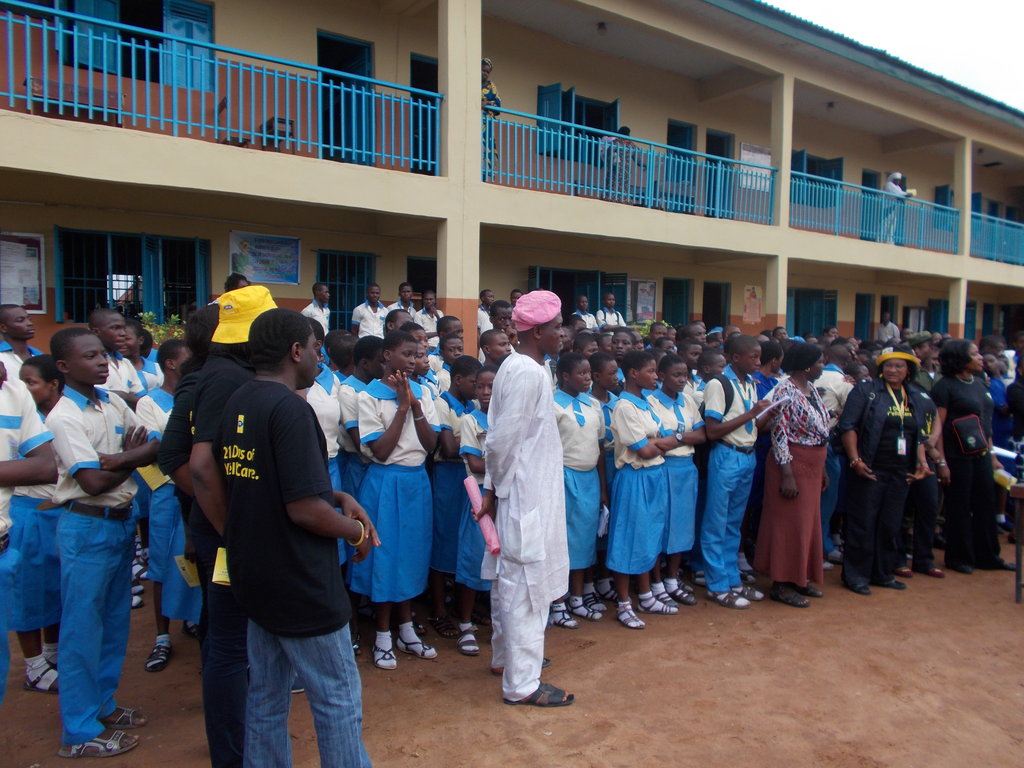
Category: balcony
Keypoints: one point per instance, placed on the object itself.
(76, 67)
(548, 155)
(997, 239)
(849, 210)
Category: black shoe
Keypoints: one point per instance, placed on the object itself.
(998, 565)
(860, 589)
(939, 542)
(894, 584)
(960, 568)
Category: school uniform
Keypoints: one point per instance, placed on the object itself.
(392, 493)
(353, 468)
(679, 414)
(589, 319)
(609, 455)
(150, 375)
(608, 316)
(730, 469)
(370, 320)
(444, 377)
(449, 492)
(319, 312)
(834, 389)
(324, 398)
(427, 321)
(581, 429)
(430, 382)
(166, 526)
(121, 375)
(639, 492)
(472, 433)
(12, 362)
(21, 431)
(95, 542)
(410, 308)
(483, 319)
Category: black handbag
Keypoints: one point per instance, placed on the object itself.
(970, 435)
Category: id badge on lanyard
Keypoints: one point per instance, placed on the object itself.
(901, 445)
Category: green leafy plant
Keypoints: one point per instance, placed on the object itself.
(174, 328)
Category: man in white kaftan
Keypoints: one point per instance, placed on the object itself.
(524, 485)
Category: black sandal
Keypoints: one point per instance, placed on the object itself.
(546, 695)
(158, 657)
(444, 627)
(788, 596)
(808, 591)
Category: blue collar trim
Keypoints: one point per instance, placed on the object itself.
(357, 384)
(82, 401)
(5, 346)
(325, 378)
(162, 398)
(833, 367)
(729, 373)
(564, 399)
(667, 401)
(382, 391)
(455, 404)
(480, 416)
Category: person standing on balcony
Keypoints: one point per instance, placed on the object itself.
(368, 318)
(405, 301)
(607, 315)
(318, 309)
(887, 331)
(489, 101)
(15, 331)
(620, 156)
(894, 187)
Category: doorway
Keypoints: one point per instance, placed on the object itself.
(716, 304)
(347, 130)
(423, 75)
(719, 182)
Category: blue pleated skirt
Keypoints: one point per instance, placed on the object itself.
(35, 596)
(449, 501)
(352, 475)
(639, 511)
(471, 551)
(582, 515)
(682, 504)
(397, 500)
(334, 470)
(609, 476)
(166, 541)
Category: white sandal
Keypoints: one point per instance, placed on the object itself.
(45, 682)
(586, 612)
(654, 604)
(629, 619)
(560, 617)
(419, 649)
(384, 659)
(467, 644)
(593, 602)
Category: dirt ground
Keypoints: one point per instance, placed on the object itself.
(931, 676)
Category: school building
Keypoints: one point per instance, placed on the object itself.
(150, 147)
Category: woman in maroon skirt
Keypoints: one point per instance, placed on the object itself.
(789, 540)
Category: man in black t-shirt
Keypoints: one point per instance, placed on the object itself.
(281, 533)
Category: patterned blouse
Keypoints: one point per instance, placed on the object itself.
(801, 421)
(489, 98)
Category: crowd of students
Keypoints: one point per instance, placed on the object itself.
(129, 461)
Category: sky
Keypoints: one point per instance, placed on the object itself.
(975, 43)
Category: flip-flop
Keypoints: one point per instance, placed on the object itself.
(546, 695)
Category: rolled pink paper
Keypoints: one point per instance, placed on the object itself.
(486, 523)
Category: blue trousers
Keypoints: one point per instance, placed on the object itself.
(327, 667)
(8, 564)
(96, 599)
(830, 497)
(729, 476)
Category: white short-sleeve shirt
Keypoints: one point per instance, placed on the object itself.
(473, 433)
(11, 360)
(348, 399)
(319, 313)
(581, 443)
(122, 376)
(744, 397)
(427, 320)
(588, 318)
(680, 413)
(369, 320)
(21, 431)
(634, 425)
(449, 415)
(323, 399)
(378, 405)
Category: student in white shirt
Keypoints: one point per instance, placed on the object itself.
(122, 378)
(404, 300)
(582, 310)
(317, 308)
(607, 315)
(430, 315)
(16, 329)
(483, 312)
(367, 365)
(368, 317)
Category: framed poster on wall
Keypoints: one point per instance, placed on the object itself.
(265, 258)
(642, 296)
(23, 271)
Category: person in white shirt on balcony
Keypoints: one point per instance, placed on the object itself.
(368, 317)
(318, 309)
(894, 188)
(405, 300)
(607, 315)
(582, 307)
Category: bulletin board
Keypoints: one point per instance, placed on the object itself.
(23, 271)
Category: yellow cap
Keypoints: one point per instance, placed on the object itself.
(238, 309)
(892, 353)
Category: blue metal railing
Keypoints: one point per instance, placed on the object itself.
(997, 239)
(838, 208)
(540, 153)
(79, 67)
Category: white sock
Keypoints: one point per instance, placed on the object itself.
(646, 597)
(36, 664)
(625, 605)
(163, 640)
(558, 606)
(465, 626)
(50, 652)
(605, 584)
(383, 641)
(657, 587)
(407, 633)
(588, 588)
(671, 585)
(575, 601)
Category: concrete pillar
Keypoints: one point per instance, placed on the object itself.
(782, 147)
(963, 186)
(458, 237)
(775, 289)
(957, 307)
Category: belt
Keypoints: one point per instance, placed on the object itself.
(5, 542)
(736, 448)
(109, 513)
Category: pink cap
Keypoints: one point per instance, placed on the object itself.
(536, 308)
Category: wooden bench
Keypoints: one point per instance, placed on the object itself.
(65, 93)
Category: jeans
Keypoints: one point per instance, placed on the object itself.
(873, 519)
(729, 475)
(95, 584)
(830, 497)
(328, 667)
(225, 662)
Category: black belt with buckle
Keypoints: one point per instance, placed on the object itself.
(108, 513)
(5, 542)
(736, 448)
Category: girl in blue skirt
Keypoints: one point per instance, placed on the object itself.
(35, 598)
(449, 493)
(367, 365)
(680, 416)
(398, 426)
(473, 433)
(604, 374)
(639, 492)
(580, 422)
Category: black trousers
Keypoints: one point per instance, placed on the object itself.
(971, 534)
(923, 506)
(870, 534)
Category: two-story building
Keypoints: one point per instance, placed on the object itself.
(150, 147)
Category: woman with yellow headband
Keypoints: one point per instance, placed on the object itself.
(489, 99)
(884, 426)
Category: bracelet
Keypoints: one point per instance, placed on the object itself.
(940, 464)
(856, 461)
(421, 417)
(362, 535)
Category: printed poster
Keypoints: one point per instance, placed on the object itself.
(753, 303)
(22, 271)
(642, 295)
(265, 258)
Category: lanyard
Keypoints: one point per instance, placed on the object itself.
(901, 407)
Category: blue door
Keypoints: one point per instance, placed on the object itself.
(864, 315)
(347, 114)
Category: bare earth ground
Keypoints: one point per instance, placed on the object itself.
(927, 677)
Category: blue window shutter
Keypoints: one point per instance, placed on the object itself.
(612, 117)
(94, 45)
(938, 315)
(864, 313)
(549, 104)
(202, 272)
(799, 161)
(831, 169)
(971, 321)
(831, 311)
(976, 202)
(615, 283)
(152, 293)
(944, 195)
(184, 65)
